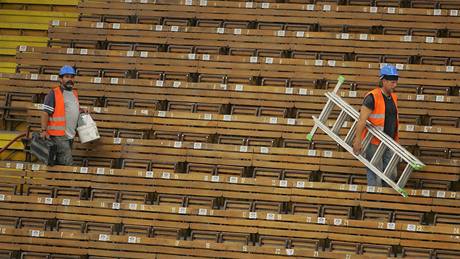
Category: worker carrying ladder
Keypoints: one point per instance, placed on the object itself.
(400, 154)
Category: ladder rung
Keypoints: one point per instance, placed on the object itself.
(367, 140)
(392, 164)
(339, 122)
(351, 133)
(378, 153)
(322, 117)
(405, 176)
(326, 111)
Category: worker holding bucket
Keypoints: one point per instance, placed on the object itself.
(61, 116)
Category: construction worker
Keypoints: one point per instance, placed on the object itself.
(380, 107)
(61, 111)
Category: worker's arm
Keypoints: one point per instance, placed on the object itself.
(360, 125)
(44, 124)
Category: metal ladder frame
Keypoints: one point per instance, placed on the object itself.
(347, 111)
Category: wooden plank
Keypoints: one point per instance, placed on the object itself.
(412, 74)
(174, 247)
(250, 38)
(291, 13)
(391, 200)
(268, 227)
(41, 2)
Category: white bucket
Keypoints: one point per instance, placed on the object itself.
(85, 119)
(88, 133)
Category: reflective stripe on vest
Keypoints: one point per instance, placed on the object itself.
(56, 128)
(56, 121)
(57, 118)
(377, 117)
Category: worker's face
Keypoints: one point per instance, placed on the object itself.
(68, 81)
(389, 85)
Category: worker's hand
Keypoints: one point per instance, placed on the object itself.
(44, 135)
(357, 146)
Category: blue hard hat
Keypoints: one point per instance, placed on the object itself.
(66, 70)
(388, 70)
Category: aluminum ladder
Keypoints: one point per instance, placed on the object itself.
(400, 154)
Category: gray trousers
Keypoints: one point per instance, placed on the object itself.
(373, 179)
(64, 150)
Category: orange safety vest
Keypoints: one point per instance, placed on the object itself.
(56, 122)
(377, 117)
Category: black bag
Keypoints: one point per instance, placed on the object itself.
(44, 149)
